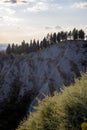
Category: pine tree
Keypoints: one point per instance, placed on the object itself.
(54, 38)
(81, 34)
(13, 48)
(8, 50)
(70, 35)
(44, 42)
(75, 34)
(58, 37)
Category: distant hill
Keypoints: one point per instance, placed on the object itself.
(3, 46)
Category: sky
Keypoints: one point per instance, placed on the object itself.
(28, 19)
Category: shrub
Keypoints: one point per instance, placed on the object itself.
(64, 111)
(73, 105)
(45, 118)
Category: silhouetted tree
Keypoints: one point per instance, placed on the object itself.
(34, 46)
(41, 45)
(8, 50)
(65, 35)
(81, 34)
(23, 46)
(31, 46)
(54, 38)
(75, 34)
(51, 39)
(38, 45)
(44, 42)
(70, 35)
(48, 37)
(27, 47)
(47, 41)
(58, 37)
(13, 48)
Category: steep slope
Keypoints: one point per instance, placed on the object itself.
(40, 73)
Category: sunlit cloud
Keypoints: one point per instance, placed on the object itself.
(81, 5)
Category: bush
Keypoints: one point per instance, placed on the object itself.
(64, 111)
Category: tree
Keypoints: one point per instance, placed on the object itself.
(58, 37)
(75, 34)
(54, 38)
(81, 34)
(23, 47)
(8, 50)
(38, 46)
(41, 45)
(34, 45)
(13, 48)
(65, 35)
(70, 35)
(51, 39)
(31, 46)
(44, 42)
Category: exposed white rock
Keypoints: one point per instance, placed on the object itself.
(44, 70)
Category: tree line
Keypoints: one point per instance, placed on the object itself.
(47, 41)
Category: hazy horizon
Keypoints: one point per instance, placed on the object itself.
(29, 19)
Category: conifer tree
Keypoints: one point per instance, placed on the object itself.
(8, 50)
(81, 34)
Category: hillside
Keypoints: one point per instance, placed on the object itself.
(64, 111)
(25, 77)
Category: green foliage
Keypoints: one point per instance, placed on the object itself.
(46, 117)
(64, 111)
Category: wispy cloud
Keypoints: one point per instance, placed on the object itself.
(81, 5)
(53, 28)
(48, 28)
(37, 7)
(14, 1)
(42, 5)
(6, 10)
(58, 27)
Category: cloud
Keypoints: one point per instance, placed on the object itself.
(9, 19)
(53, 28)
(10, 11)
(48, 28)
(5, 10)
(38, 7)
(1, 17)
(81, 5)
(14, 1)
(58, 27)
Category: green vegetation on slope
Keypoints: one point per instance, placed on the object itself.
(64, 111)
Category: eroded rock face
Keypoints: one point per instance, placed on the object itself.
(42, 72)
